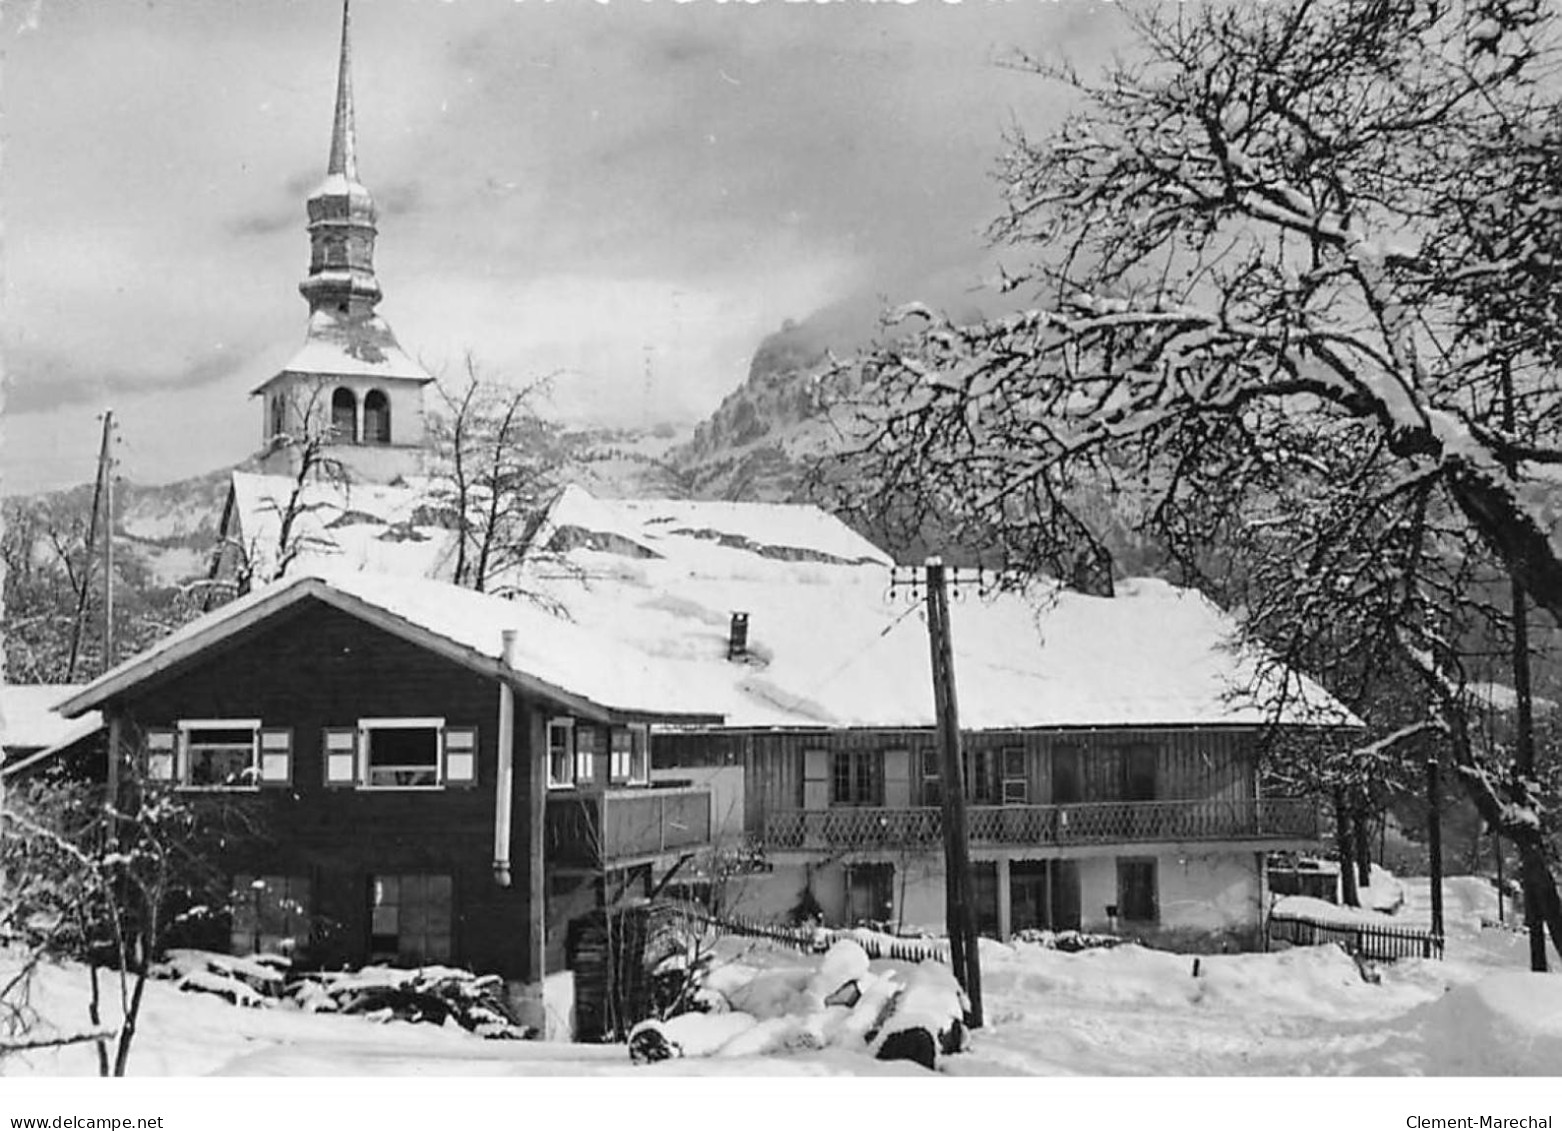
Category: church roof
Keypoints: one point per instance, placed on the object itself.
(350, 347)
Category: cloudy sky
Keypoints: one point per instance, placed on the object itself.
(599, 191)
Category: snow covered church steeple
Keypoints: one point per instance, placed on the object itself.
(351, 381)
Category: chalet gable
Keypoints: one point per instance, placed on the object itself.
(554, 660)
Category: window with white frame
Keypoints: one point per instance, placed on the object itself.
(629, 754)
(219, 753)
(620, 748)
(1016, 785)
(561, 753)
(402, 753)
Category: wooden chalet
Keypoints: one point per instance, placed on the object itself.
(1111, 743)
(424, 773)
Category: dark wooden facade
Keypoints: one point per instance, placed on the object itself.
(312, 668)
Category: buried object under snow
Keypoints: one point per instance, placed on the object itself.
(891, 1013)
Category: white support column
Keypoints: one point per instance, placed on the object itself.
(1003, 898)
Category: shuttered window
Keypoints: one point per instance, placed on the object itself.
(461, 756)
(816, 779)
(160, 745)
(856, 778)
(340, 748)
(276, 756)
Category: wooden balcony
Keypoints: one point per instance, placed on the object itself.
(1107, 822)
(603, 828)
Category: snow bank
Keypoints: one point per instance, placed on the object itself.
(1504, 1025)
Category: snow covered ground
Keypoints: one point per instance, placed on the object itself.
(1106, 1012)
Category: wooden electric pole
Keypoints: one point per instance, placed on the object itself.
(108, 541)
(960, 915)
(1434, 797)
(91, 551)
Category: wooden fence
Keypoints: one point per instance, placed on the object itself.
(816, 939)
(1369, 940)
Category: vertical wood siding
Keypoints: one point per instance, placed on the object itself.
(315, 667)
(1190, 763)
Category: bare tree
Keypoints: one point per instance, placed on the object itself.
(499, 463)
(105, 884)
(1288, 261)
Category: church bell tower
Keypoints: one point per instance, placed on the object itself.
(351, 385)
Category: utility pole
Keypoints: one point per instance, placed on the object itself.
(91, 549)
(1434, 797)
(108, 541)
(960, 916)
(108, 618)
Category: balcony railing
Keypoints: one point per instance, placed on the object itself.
(594, 829)
(1107, 822)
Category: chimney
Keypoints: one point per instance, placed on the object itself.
(737, 639)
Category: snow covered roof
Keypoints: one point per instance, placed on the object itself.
(553, 658)
(655, 583)
(706, 537)
(30, 725)
(347, 527)
(342, 346)
(829, 646)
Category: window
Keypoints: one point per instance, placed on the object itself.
(376, 418)
(561, 753)
(344, 415)
(856, 778)
(629, 755)
(640, 754)
(932, 775)
(410, 918)
(1138, 782)
(219, 754)
(1136, 884)
(401, 753)
(982, 776)
(1067, 775)
(270, 914)
(984, 897)
(1016, 786)
(278, 416)
(587, 742)
(870, 893)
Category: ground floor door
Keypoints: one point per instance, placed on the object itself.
(870, 893)
(1028, 905)
(1064, 882)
